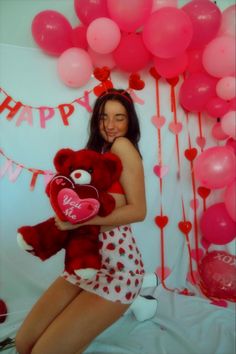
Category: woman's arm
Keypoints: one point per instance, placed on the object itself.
(132, 180)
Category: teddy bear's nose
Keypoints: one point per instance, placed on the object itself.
(77, 175)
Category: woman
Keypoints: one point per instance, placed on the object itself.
(71, 313)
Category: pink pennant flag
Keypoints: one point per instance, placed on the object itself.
(12, 174)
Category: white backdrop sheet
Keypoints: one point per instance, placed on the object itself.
(182, 324)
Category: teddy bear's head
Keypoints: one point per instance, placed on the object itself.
(89, 167)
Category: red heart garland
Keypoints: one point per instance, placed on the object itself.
(104, 86)
(135, 82)
(101, 74)
(185, 226)
(173, 81)
(190, 154)
(154, 73)
(203, 192)
(161, 221)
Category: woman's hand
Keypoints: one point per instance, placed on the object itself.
(64, 225)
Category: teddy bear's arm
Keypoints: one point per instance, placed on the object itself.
(107, 204)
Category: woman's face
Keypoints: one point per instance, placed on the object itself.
(113, 121)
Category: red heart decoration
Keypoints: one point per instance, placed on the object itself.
(203, 192)
(76, 209)
(185, 226)
(102, 74)
(154, 73)
(161, 221)
(173, 81)
(135, 82)
(190, 154)
(103, 87)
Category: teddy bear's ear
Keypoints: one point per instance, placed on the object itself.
(62, 157)
(113, 164)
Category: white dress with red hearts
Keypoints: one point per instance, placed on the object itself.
(121, 275)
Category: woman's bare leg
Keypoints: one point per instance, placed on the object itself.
(46, 309)
(78, 324)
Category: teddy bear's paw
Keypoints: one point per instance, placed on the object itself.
(22, 244)
(86, 273)
(144, 309)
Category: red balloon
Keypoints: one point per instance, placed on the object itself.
(217, 271)
(3, 311)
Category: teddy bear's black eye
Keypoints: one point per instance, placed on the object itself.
(90, 170)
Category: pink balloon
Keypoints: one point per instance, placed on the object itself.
(217, 226)
(231, 143)
(228, 23)
(103, 35)
(219, 57)
(171, 67)
(217, 275)
(89, 10)
(129, 15)
(226, 88)
(230, 200)
(168, 32)
(206, 18)
(52, 32)
(218, 133)
(216, 107)
(131, 55)
(195, 91)
(101, 60)
(79, 37)
(228, 123)
(215, 167)
(194, 61)
(157, 4)
(75, 67)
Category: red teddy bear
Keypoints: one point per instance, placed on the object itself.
(77, 193)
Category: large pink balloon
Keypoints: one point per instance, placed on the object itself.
(230, 200)
(171, 67)
(194, 61)
(103, 35)
(206, 18)
(52, 32)
(219, 57)
(228, 123)
(216, 107)
(131, 14)
(217, 226)
(131, 54)
(168, 32)
(215, 167)
(196, 90)
(217, 271)
(226, 88)
(75, 67)
(89, 10)
(228, 23)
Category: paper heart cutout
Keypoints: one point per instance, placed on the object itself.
(161, 221)
(158, 121)
(185, 226)
(221, 303)
(175, 128)
(135, 82)
(190, 154)
(160, 171)
(162, 271)
(101, 74)
(203, 192)
(154, 73)
(194, 203)
(75, 209)
(201, 141)
(103, 87)
(200, 254)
